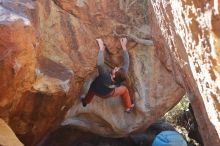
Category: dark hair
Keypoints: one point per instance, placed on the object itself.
(120, 75)
(154, 129)
(147, 138)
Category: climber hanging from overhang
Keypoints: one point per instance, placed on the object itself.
(109, 83)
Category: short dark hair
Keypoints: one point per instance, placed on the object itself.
(120, 75)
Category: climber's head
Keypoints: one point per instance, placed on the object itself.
(119, 74)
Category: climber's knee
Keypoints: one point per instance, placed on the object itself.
(119, 91)
(124, 89)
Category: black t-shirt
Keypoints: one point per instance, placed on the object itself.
(103, 84)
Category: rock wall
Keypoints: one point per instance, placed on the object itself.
(48, 50)
(188, 32)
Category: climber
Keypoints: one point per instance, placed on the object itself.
(109, 83)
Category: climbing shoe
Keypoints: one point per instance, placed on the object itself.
(83, 102)
(129, 110)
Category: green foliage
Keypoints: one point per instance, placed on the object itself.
(183, 104)
(174, 115)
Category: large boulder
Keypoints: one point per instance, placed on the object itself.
(187, 38)
(48, 50)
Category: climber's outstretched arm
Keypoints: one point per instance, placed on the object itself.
(100, 58)
(125, 54)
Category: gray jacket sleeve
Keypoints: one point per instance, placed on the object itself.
(100, 62)
(125, 60)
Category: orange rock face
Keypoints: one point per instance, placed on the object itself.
(48, 50)
(188, 32)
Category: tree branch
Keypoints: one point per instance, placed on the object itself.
(135, 38)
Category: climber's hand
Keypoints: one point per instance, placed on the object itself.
(101, 44)
(123, 43)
